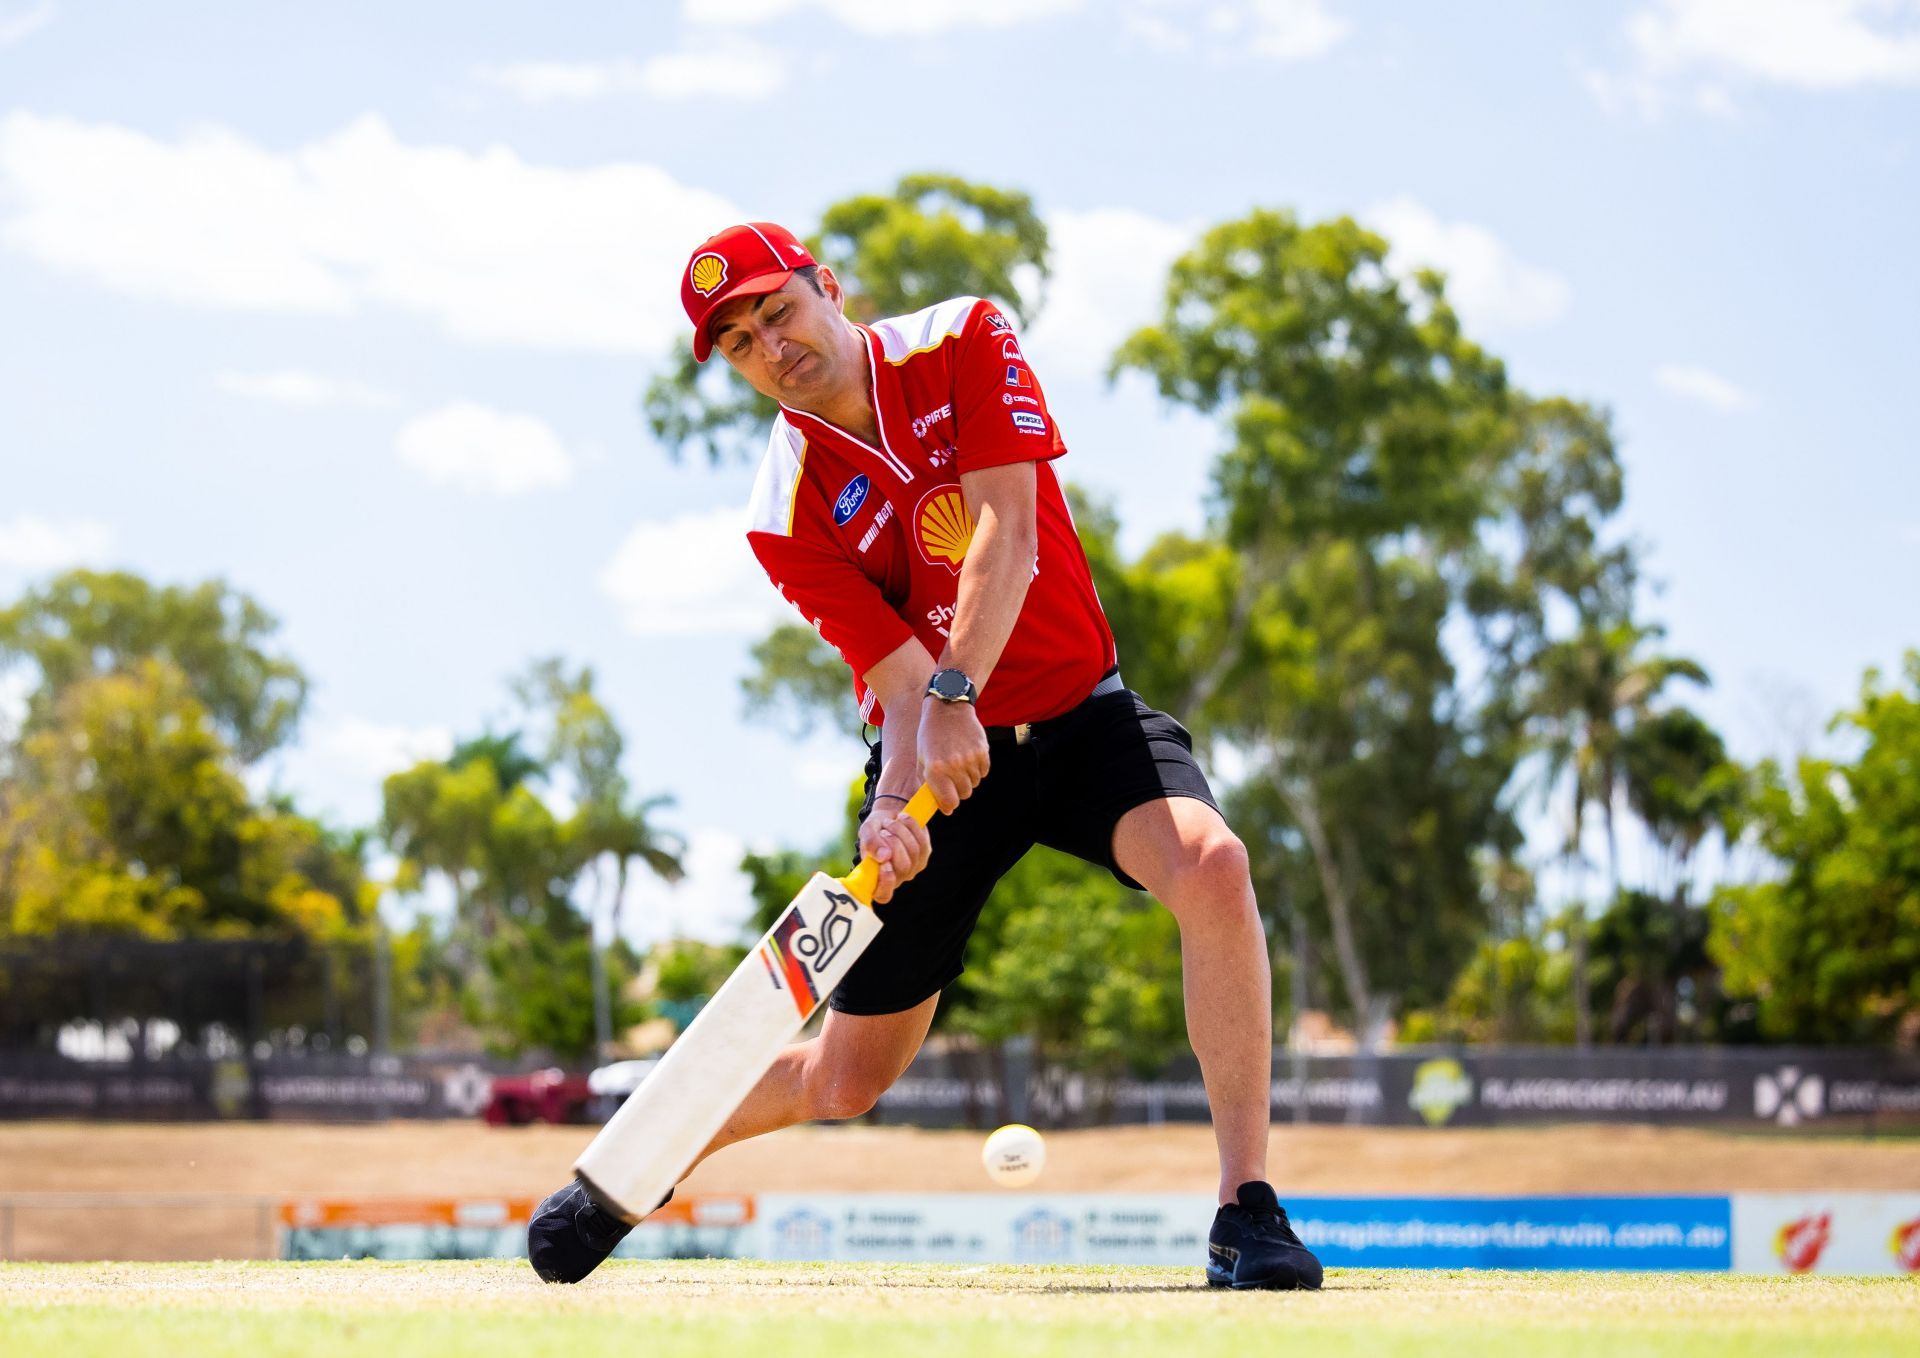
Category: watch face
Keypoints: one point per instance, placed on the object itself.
(950, 684)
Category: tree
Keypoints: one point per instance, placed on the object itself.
(86, 624)
(609, 829)
(1513, 989)
(511, 867)
(1091, 971)
(1593, 688)
(934, 237)
(1829, 950)
(128, 816)
(544, 981)
(515, 867)
(141, 881)
(1677, 779)
(1649, 958)
(1363, 430)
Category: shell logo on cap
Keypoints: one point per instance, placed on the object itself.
(708, 273)
(945, 527)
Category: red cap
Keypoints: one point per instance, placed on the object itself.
(742, 261)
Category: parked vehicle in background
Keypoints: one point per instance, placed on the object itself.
(549, 1095)
(611, 1083)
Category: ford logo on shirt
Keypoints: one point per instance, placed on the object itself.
(850, 500)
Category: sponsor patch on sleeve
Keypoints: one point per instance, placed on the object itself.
(1027, 422)
(999, 324)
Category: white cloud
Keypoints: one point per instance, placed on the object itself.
(18, 23)
(691, 574)
(290, 387)
(1809, 45)
(492, 249)
(883, 18)
(371, 750)
(483, 450)
(1697, 384)
(1283, 30)
(1109, 270)
(713, 901)
(1490, 288)
(29, 543)
(739, 72)
(734, 69)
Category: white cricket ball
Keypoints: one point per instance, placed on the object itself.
(1014, 1155)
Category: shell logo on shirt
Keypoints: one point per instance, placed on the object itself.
(943, 527)
(708, 272)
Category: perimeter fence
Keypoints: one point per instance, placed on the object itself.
(1803, 1089)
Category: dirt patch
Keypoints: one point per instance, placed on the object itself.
(230, 1164)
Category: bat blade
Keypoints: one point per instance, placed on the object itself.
(657, 1133)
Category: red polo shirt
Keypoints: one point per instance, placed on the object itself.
(867, 542)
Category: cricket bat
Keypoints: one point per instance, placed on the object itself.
(654, 1137)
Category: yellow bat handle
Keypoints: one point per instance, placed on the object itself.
(865, 876)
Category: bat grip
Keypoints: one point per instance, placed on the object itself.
(865, 877)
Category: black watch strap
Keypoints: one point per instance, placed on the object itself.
(951, 686)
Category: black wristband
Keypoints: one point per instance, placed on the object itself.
(891, 796)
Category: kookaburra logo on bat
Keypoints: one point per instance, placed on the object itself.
(795, 953)
(820, 945)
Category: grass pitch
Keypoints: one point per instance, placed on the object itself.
(645, 1309)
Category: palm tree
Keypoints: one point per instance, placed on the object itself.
(1678, 782)
(611, 826)
(584, 739)
(1593, 688)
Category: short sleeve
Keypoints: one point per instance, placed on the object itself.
(1000, 413)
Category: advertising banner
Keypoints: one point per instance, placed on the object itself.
(987, 1228)
(703, 1226)
(1836, 1233)
(1809, 1090)
(1849, 1233)
(1690, 1233)
(1634, 1233)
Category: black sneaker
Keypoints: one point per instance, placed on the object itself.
(569, 1234)
(1251, 1245)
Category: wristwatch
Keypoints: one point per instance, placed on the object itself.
(951, 686)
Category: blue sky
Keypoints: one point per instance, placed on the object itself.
(352, 305)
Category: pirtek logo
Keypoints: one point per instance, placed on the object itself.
(1789, 1097)
(930, 419)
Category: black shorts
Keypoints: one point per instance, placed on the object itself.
(1066, 788)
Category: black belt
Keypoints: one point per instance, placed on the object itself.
(1023, 733)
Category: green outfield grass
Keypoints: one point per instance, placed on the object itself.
(666, 1310)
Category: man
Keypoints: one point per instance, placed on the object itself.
(907, 507)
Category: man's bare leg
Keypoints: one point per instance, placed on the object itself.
(1183, 853)
(838, 1074)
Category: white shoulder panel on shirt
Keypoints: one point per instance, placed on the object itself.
(771, 509)
(901, 337)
